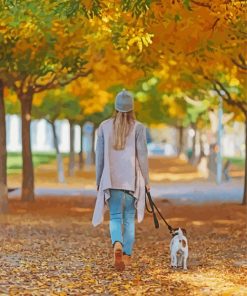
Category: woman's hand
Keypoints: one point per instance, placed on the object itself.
(148, 187)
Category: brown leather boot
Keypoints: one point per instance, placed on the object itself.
(118, 256)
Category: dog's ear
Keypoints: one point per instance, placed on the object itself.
(184, 231)
(174, 231)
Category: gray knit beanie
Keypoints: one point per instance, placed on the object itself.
(124, 101)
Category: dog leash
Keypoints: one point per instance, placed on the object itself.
(153, 206)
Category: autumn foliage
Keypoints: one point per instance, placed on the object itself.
(165, 51)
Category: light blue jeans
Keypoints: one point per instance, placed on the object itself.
(122, 211)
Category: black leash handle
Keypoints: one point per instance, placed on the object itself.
(153, 205)
(156, 221)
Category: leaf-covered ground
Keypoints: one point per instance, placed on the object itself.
(49, 247)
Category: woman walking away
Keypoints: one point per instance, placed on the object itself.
(121, 176)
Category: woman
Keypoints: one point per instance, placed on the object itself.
(121, 176)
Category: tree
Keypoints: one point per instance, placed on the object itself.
(55, 56)
(94, 104)
(241, 103)
(50, 108)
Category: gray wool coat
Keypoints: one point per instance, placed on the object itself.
(125, 169)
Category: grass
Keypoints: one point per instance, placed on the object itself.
(14, 160)
(238, 161)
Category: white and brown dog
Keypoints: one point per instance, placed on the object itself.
(179, 248)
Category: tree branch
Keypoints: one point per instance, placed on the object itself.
(198, 3)
(227, 97)
(243, 67)
(55, 83)
(215, 23)
(21, 88)
(84, 74)
(41, 87)
(242, 59)
(228, 94)
(243, 64)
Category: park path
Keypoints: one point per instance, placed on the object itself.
(171, 178)
(185, 193)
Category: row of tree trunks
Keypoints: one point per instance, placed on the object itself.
(181, 142)
(3, 155)
(28, 171)
(60, 166)
(193, 159)
(71, 167)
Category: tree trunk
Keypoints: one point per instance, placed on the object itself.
(201, 147)
(181, 141)
(193, 156)
(60, 169)
(72, 149)
(202, 154)
(244, 202)
(93, 144)
(27, 169)
(81, 149)
(3, 155)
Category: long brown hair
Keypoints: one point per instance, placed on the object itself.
(123, 123)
